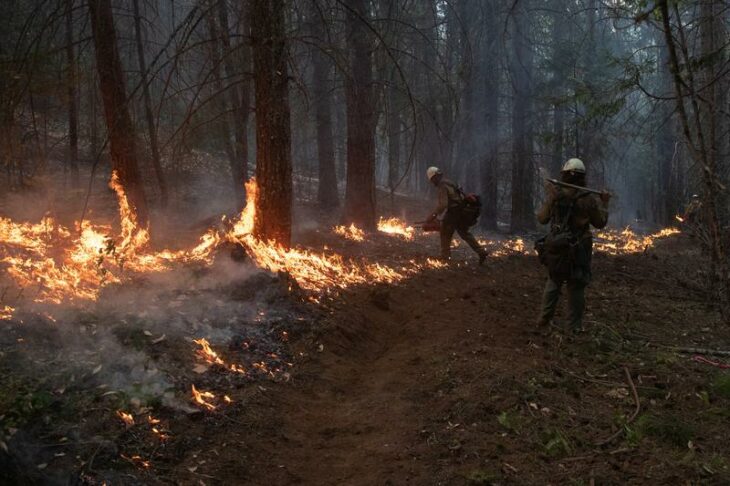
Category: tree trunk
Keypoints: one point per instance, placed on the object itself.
(360, 191)
(702, 156)
(666, 206)
(327, 195)
(490, 158)
(116, 111)
(239, 100)
(522, 169)
(273, 131)
(149, 115)
(73, 114)
(394, 136)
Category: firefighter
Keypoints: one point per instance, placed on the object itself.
(693, 212)
(571, 212)
(457, 218)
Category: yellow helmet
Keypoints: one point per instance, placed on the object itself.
(574, 165)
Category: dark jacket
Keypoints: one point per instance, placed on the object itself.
(588, 210)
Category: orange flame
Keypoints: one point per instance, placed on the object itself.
(394, 226)
(207, 353)
(59, 265)
(126, 418)
(200, 398)
(627, 242)
(351, 232)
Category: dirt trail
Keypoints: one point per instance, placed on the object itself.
(357, 417)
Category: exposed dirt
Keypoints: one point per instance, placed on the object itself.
(441, 379)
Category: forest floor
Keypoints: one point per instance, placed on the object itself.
(440, 379)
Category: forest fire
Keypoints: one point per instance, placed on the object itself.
(58, 265)
(627, 242)
(351, 232)
(394, 226)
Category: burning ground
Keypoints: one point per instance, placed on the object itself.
(355, 359)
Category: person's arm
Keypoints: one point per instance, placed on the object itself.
(598, 211)
(545, 212)
(443, 202)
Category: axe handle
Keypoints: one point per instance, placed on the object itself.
(566, 184)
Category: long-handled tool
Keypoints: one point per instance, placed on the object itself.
(566, 184)
(429, 225)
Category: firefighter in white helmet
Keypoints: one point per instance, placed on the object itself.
(567, 249)
(460, 212)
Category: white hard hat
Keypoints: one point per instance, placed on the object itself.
(574, 165)
(432, 171)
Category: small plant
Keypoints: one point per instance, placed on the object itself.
(668, 429)
(556, 444)
(721, 385)
(508, 420)
(479, 477)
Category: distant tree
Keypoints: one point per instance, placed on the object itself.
(360, 190)
(327, 194)
(238, 94)
(273, 137)
(149, 115)
(72, 97)
(116, 110)
(522, 150)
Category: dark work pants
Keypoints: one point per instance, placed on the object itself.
(576, 301)
(447, 234)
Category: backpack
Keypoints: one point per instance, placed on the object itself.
(469, 208)
(558, 250)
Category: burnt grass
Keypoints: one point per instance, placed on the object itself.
(441, 379)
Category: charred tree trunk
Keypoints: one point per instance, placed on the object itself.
(149, 115)
(116, 110)
(360, 192)
(327, 195)
(239, 100)
(73, 113)
(273, 131)
(522, 168)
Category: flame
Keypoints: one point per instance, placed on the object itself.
(627, 242)
(126, 418)
(6, 312)
(679, 218)
(55, 265)
(200, 398)
(314, 272)
(59, 265)
(137, 460)
(351, 232)
(207, 353)
(394, 226)
(152, 420)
